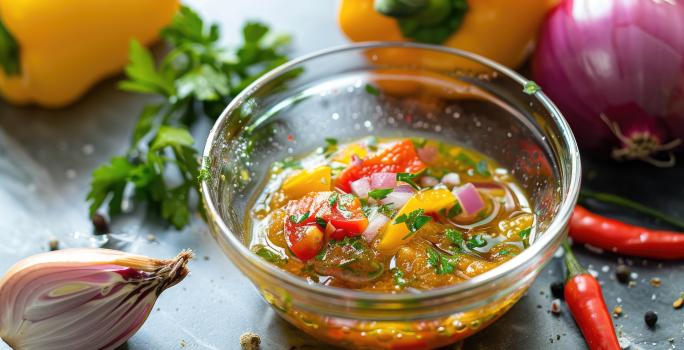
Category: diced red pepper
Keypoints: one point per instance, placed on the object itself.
(344, 217)
(401, 157)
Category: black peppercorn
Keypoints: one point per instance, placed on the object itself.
(622, 274)
(557, 289)
(651, 318)
(100, 224)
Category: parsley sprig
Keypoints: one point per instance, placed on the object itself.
(414, 221)
(442, 263)
(195, 79)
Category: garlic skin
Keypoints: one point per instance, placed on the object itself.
(82, 298)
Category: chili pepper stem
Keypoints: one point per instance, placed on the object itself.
(630, 204)
(574, 267)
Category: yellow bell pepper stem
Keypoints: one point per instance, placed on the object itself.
(502, 30)
(67, 46)
(306, 181)
(431, 201)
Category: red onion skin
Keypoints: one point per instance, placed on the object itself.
(620, 58)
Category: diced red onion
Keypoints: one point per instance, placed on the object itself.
(427, 154)
(451, 179)
(355, 160)
(396, 198)
(404, 188)
(428, 181)
(383, 180)
(470, 199)
(374, 226)
(361, 187)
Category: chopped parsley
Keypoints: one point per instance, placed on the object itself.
(455, 236)
(321, 221)
(288, 163)
(482, 168)
(333, 199)
(442, 263)
(387, 210)
(379, 193)
(453, 211)
(409, 179)
(330, 146)
(525, 235)
(398, 277)
(414, 221)
(321, 253)
(372, 90)
(505, 252)
(531, 87)
(269, 255)
(298, 220)
(476, 241)
(419, 142)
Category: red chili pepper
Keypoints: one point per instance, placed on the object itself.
(585, 301)
(619, 237)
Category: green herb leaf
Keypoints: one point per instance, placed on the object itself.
(455, 236)
(525, 236)
(442, 263)
(387, 210)
(321, 221)
(398, 278)
(379, 193)
(269, 255)
(330, 146)
(298, 220)
(333, 199)
(321, 253)
(372, 90)
(531, 87)
(288, 163)
(409, 179)
(414, 221)
(195, 79)
(482, 168)
(419, 142)
(476, 241)
(455, 210)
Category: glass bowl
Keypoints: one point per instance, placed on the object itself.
(391, 90)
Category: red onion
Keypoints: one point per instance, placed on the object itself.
(427, 154)
(404, 188)
(355, 160)
(374, 226)
(383, 180)
(451, 179)
(615, 68)
(428, 181)
(361, 187)
(470, 199)
(397, 198)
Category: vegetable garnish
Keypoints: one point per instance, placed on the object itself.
(453, 211)
(372, 90)
(455, 236)
(329, 148)
(476, 241)
(269, 255)
(300, 219)
(379, 193)
(525, 236)
(414, 221)
(442, 263)
(62, 299)
(531, 87)
(398, 278)
(194, 79)
(287, 163)
(409, 179)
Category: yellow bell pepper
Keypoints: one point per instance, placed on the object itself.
(431, 201)
(314, 180)
(52, 52)
(502, 30)
(348, 152)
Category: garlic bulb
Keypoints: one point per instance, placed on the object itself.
(82, 298)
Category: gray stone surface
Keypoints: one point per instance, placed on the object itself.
(45, 162)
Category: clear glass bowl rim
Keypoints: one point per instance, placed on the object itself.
(538, 247)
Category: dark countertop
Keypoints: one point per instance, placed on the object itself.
(45, 162)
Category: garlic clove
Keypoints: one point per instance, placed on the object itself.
(82, 298)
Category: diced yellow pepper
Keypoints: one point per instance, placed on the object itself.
(430, 200)
(305, 181)
(345, 155)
